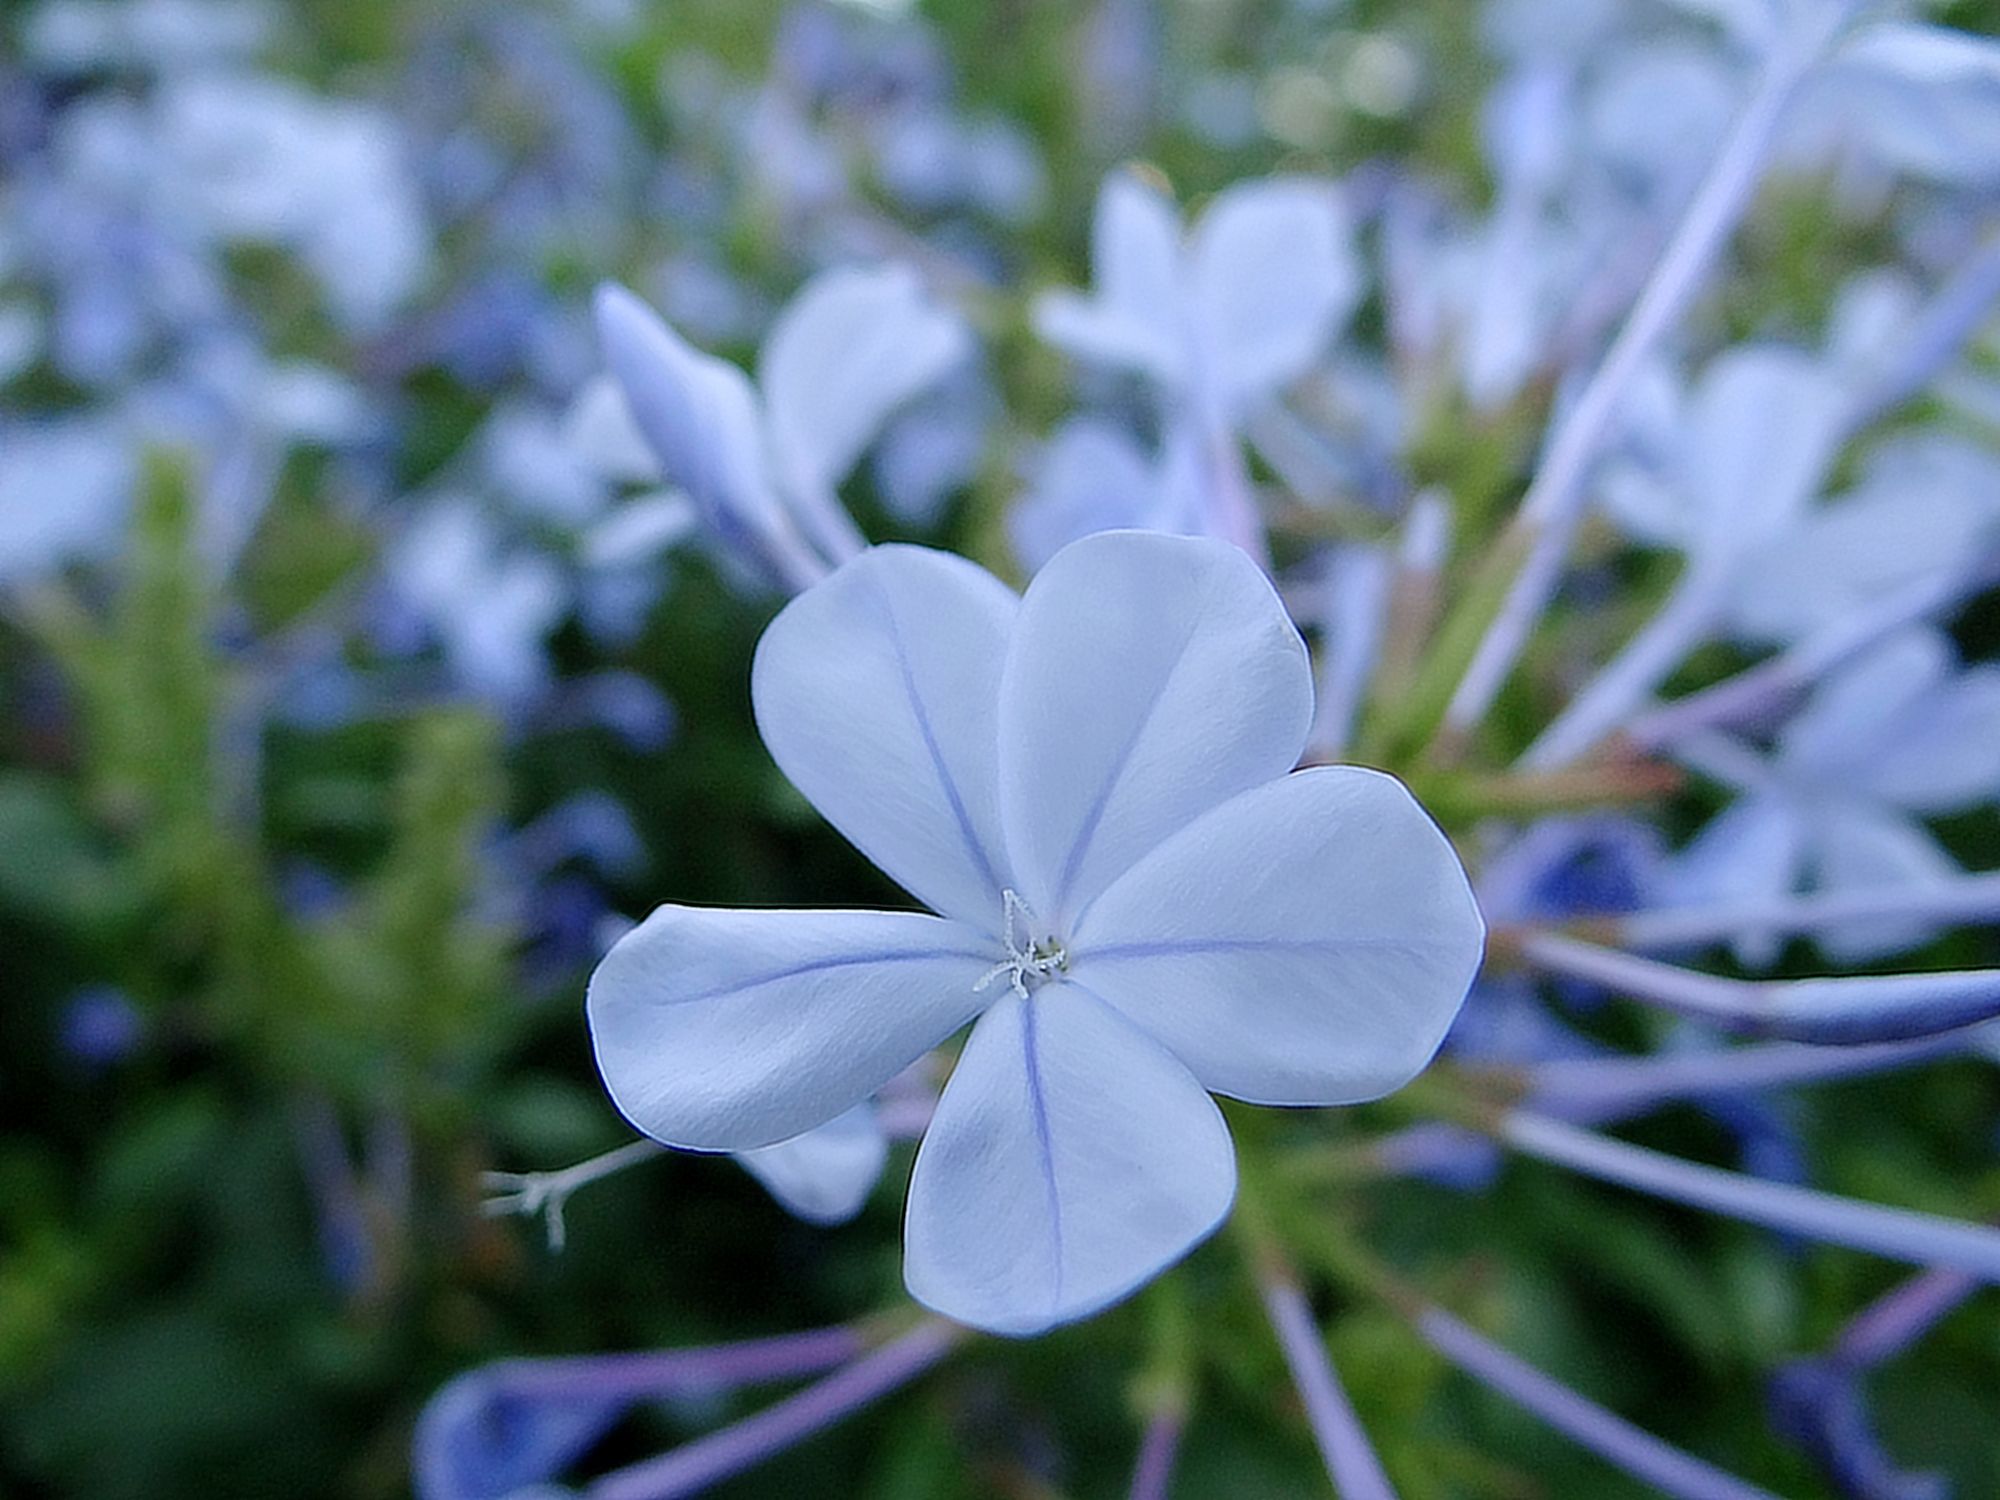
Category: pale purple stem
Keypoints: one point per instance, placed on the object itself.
(742, 1445)
(1899, 1234)
(676, 1372)
(1350, 1461)
(1554, 503)
(1842, 1010)
(1901, 1316)
(1952, 316)
(1625, 684)
(1580, 1419)
(1762, 691)
(1158, 1449)
(1971, 898)
(1597, 1090)
(346, 1245)
(1429, 1147)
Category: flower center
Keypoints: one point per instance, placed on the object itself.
(1031, 961)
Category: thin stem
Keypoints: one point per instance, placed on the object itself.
(548, 1193)
(1554, 503)
(675, 1372)
(1841, 1010)
(1628, 680)
(1350, 1460)
(1580, 1419)
(1968, 899)
(1899, 1234)
(742, 1445)
(1951, 317)
(1761, 692)
(1901, 1316)
(1597, 1090)
(1158, 1449)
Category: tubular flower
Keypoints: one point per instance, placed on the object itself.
(1138, 901)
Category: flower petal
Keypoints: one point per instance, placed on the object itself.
(1752, 851)
(1150, 678)
(701, 418)
(731, 1030)
(1308, 942)
(825, 1175)
(1071, 1160)
(1274, 273)
(854, 345)
(875, 691)
(1859, 846)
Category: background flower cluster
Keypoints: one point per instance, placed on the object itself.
(411, 415)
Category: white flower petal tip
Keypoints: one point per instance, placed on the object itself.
(734, 1030)
(1308, 942)
(1072, 1160)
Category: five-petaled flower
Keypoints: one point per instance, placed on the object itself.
(1141, 902)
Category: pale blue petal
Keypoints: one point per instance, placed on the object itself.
(701, 418)
(1764, 425)
(1307, 942)
(1090, 476)
(1750, 852)
(1945, 755)
(1130, 319)
(1070, 1161)
(731, 1030)
(1273, 275)
(852, 347)
(1923, 99)
(875, 691)
(1859, 847)
(825, 1175)
(1853, 551)
(600, 430)
(1135, 248)
(1859, 712)
(1149, 678)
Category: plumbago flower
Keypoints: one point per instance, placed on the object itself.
(1898, 735)
(1217, 321)
(762, 463)
(1137, 904)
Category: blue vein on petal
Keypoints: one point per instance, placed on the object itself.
(1073, 865)
(945, 781)
(821, 965)
(1185, 947)
(1038, 1110)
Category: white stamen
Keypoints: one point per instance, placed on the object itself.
(1037, 961)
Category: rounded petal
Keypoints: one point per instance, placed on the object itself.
(1857, 846)
(702, 420)
(1071, 1160)
(731, 1030)
(1751, 851)
(875, 692)
(1308, 942)
(1149, 679)
(854, 345)
(825, 1175)
(1274, 274)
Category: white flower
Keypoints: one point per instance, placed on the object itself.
(1139, 905)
